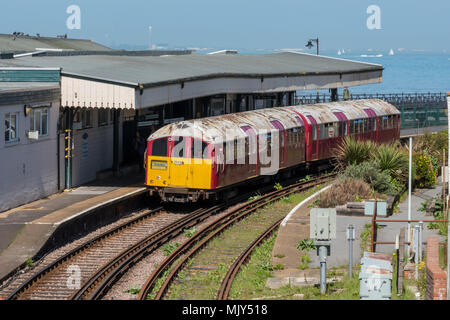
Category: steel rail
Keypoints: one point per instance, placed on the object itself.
(52, 266)
(98, 284)
(234, 269)
(219, 225)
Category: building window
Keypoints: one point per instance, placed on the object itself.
(85, 117)
(217, 107)
(11, 127)
(102, 117)
(39, 121)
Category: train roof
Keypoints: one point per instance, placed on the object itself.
(228, 127)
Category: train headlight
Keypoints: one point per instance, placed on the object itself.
(158, 177)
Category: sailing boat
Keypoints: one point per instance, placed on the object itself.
(339, 52)
(343, 51)
(391, 52)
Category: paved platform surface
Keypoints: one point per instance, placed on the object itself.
(25, 229)
(389, 230)
(297, 228)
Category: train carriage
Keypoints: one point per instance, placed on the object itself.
(212, 157)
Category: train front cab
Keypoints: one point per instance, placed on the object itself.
(179, 169)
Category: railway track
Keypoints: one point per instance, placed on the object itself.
(180, 257)
(100, 262)
(52, 282)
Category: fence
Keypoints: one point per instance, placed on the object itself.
(418, 110)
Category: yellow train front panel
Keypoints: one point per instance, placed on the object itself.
(178, 172)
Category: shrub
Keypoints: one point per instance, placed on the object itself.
(343, 191)
(425, 171)
(391, 159)
(432, 144)
(368, 171)
(352, 151)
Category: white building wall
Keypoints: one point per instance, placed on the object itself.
(28, 168)
(93, 150)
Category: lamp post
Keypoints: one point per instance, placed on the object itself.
(309, 45)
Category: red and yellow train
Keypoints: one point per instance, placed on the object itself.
(212, 158)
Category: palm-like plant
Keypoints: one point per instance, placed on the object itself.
(391, 159)
(353, 151)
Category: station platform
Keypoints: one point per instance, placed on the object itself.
(29, 230)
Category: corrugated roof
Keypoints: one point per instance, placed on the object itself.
(29, 43)
(155, 71)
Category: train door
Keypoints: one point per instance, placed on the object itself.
(342, 126)
(372, 124)
(251, 150)
(157, 163)
(315, 138)
(200, 165)
(282, 133)
(308, 134)
(178, 162)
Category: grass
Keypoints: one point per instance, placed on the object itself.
(168, 248)
(29, 262)
(133, 290)
(244, 231)
(250, 282)
(189, 232)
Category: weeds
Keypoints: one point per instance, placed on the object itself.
(168, 248)
(189, 232)
(306, 245)
(133, 290)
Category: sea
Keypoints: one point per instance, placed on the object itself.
(404, 71)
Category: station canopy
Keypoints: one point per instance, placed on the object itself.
(127, 81)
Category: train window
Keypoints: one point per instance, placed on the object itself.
(321, 131)
(199, 149)
(240, 152)
(374, 124)
(159, 147)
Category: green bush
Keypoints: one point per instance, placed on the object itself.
(425, 171)
(380, 181)
(352, 151)
(391, 159)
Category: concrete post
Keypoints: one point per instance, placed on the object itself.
(350, 237)
(323, 269)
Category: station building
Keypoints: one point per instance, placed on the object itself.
(100, 100)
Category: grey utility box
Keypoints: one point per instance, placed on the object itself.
(322, 224)
(375, 279)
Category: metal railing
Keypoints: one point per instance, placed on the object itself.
(418, 110)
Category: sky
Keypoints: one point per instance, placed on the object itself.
(239, 24)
